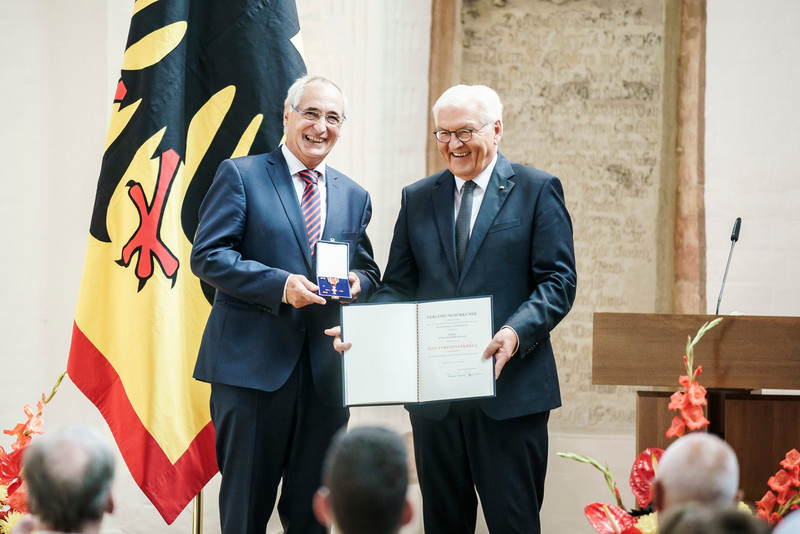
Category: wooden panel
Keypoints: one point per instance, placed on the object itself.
(761, 429)
(742, 352)
(653, 418)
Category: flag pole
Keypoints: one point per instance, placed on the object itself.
(197, 514)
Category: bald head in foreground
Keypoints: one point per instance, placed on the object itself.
(699, 468)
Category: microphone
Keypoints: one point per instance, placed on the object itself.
(734, 238)
(736, 227)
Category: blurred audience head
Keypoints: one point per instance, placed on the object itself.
(789, 525)
(365, 477)
(68, 475)
(699, 468)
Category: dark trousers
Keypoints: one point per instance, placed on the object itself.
(505, 461)
(263, 437)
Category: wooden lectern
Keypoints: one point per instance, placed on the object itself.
(739, 355)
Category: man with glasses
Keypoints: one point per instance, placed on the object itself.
(276, 385)
(486, 226)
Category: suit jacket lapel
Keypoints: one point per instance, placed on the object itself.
(497, 192)
(442, 209)
(278, 173)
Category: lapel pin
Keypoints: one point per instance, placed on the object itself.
(502, 187)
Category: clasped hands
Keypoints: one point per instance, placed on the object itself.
(501, 346)
(300, 291)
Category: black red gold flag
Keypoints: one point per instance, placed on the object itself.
(201, 81)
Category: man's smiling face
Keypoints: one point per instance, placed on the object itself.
(467, 159)
(311, 141)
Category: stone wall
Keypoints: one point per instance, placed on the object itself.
(589, 95)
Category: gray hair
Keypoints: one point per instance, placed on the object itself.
(68, 474)
(699, 467)
(482, 97)
(295, 93)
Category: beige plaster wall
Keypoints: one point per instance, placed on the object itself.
(752, 139)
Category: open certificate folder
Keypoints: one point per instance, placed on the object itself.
(412, 352)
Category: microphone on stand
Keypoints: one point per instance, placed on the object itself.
(734, 238)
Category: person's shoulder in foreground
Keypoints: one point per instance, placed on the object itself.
(696, 518)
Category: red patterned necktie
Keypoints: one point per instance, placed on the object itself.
(311, 207)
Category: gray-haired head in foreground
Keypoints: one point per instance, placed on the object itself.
(366, 473)
(484, 98)
(699, 467)
(295, 93)
(68, 474)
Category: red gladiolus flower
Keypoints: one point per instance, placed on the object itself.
(642, 474)
(697, 372)
(18, 500)
(786, 494)
(792, 460)
(766, 504)
(684, 381)
(780, 481)
(696, 394)
(678, 401)
(694, 417)
(677, 428)
(23, 431)
(609, 519)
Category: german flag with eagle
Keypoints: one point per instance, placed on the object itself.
(201, 81)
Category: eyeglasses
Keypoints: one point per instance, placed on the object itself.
(462, 134)
(314, 116)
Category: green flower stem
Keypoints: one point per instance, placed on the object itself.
(603, 469)
(788, 506)
(690, 343)
(55, 388)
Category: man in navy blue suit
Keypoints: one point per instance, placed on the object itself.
(276, 386)
(486, 226)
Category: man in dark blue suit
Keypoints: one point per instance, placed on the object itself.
(276, 398)
(486, 226)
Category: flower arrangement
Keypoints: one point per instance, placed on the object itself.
(785, 485)
(615, 519)
(13, 502)
(691, 400)
(690, 403)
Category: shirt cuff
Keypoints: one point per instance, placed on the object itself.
(516, 345)
(285, 285)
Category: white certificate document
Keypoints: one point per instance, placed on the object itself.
(413, 352)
